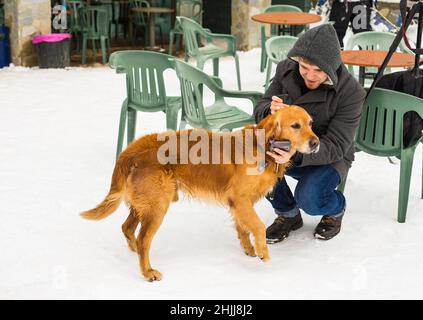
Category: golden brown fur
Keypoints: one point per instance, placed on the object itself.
(149, 187)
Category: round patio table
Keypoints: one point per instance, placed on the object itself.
(152, 11)
(374, 58)
(286, 19)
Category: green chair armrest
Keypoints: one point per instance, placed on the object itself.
(230, 40)
(253, 96)
(217, 80)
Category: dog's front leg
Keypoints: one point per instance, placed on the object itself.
(245, 215)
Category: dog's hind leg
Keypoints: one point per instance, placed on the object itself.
(129, 227)
(151, 219)
(244, 213)
(244, 238)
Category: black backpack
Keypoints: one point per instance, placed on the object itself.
(405, 82)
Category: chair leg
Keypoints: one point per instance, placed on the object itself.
(216, 67)
(146, 37)
(103, 49)
(406, 166)
(263, 59)
(269, 70)
(94, 50)
(84, 50)
(161, 36)
(172, 117)
(178, 41)
(171, 38)
(132, 122)
(238, 75)
(341, 186)
(122, 125)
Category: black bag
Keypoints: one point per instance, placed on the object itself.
(405, 82)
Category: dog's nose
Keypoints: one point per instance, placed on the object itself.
(313, 143)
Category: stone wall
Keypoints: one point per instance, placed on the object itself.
(26, 18)
(247, 31)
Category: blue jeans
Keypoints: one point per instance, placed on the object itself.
(315, 192)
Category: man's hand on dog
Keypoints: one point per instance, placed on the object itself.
(277, 103)
(281, 156)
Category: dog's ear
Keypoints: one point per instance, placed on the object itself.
(271, 126)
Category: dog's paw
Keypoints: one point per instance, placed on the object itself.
(263, 254)
(153, 275)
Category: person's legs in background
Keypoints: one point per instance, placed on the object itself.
(340, 16)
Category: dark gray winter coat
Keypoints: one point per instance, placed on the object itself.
(335, 109)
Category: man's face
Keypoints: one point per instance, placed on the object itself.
(312, 75)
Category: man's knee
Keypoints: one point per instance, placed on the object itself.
(309, 198)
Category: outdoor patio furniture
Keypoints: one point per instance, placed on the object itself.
(95, 26)
(192, 9)
(277, 50)
(193, 31)
(75, 27)
(380, 133)
(139, 20)
(145, 88)
(373, 40)
(121, 17)
(274, 29)
(219, 116)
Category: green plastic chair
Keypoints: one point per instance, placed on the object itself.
(380, 133)
(217, 117)
(192, 9)
(95, 22)
(139, 20)
(75, 26)
(373, 40)
(277, 49)
(274, 29)
(193, 31)
(145, 88)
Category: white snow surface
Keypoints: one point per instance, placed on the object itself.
(58, 132)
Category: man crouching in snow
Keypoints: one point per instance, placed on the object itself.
(314, 78)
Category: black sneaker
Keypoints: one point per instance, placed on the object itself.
(281, 227)
(328, 227)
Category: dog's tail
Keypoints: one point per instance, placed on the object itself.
(114, 198)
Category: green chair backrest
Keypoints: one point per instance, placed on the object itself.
(373, 40)
(281, 8)
(140, 18)
(191, 31)
(95, 21)
(380, 131)
(192, 81)
(144, 76)
(74, 5)
(277, 47)
(192, 9)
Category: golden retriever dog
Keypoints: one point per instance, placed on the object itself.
(148, 186)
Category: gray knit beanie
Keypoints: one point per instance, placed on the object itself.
(320, 46)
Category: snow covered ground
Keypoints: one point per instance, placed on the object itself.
(58, 132)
